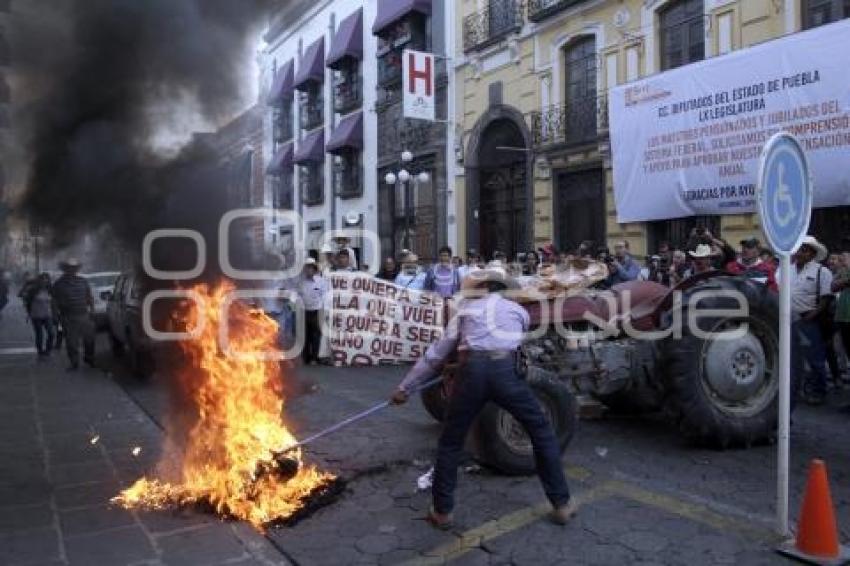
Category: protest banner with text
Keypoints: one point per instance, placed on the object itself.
(371, 321)
(687, 141)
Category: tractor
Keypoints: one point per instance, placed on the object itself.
(704, 354)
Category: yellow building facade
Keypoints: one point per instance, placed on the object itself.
(532, 151)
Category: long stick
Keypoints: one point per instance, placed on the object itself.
(353, 419)
(784, 425)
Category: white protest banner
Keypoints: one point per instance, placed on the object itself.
(687, 142)
(417, 71)
(371, 321)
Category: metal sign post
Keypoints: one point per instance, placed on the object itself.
(784, 194)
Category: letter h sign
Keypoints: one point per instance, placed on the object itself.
(418, 91)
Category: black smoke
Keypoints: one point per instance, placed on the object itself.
(105, 75)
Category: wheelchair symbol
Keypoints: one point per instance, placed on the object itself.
(783, 196)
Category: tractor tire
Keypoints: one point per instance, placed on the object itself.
(436, 400)
(500, 442)
(724, 392)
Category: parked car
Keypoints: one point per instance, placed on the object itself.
(126, 331)
(102, 285)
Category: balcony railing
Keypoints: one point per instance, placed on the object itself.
(492, 24)
(578, 121)
(541, 9)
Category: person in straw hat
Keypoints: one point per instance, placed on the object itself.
(811, 295)
(488, 329)
(701, 259)
(75, 304)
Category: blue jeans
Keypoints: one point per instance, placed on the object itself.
(43, 328)
(496, 381)
(813, 350)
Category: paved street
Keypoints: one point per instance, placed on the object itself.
(645, 496)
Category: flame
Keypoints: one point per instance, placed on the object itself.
(239, 424)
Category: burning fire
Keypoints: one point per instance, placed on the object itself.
(229, 459)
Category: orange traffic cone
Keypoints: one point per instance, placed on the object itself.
(817, 531)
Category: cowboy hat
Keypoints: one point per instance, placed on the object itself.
(820, 250)
(701, 251)
(480, 277)
(310, 261)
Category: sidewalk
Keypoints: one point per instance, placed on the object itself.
(66, 446)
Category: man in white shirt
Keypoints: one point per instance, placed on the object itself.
(811, 285)
(312, 288)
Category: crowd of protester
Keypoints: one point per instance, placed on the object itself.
(820, 285)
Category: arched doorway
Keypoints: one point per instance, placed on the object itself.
(498, 184)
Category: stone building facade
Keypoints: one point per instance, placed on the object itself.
(532, 151)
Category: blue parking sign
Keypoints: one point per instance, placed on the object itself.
(784, 193)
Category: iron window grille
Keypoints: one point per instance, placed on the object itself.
(819, 12)
(311, 178)
(312, 106)
(282, 122)
(348, 174)
(348, 86)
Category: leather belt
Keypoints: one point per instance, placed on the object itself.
(492, 354)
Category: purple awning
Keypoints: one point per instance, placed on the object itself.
(281, 160)
(348, 134)
(311, 148)
(282, 84)
(390, 11)
(348, 40)
(311, 67)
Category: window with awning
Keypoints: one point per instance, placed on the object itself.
(344, 58)
(391, 11)
(346, 144)
(310, 157)
(308, 81)
(281, 161)
(348, 40)
(400, 25)
(282, 84)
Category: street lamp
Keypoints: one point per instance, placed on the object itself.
(403, 176)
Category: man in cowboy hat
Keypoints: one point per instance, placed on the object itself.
(811, 293)
(701, 259)
(75, 304)
(490, 329)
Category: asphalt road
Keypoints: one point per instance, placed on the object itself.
(645, 495)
